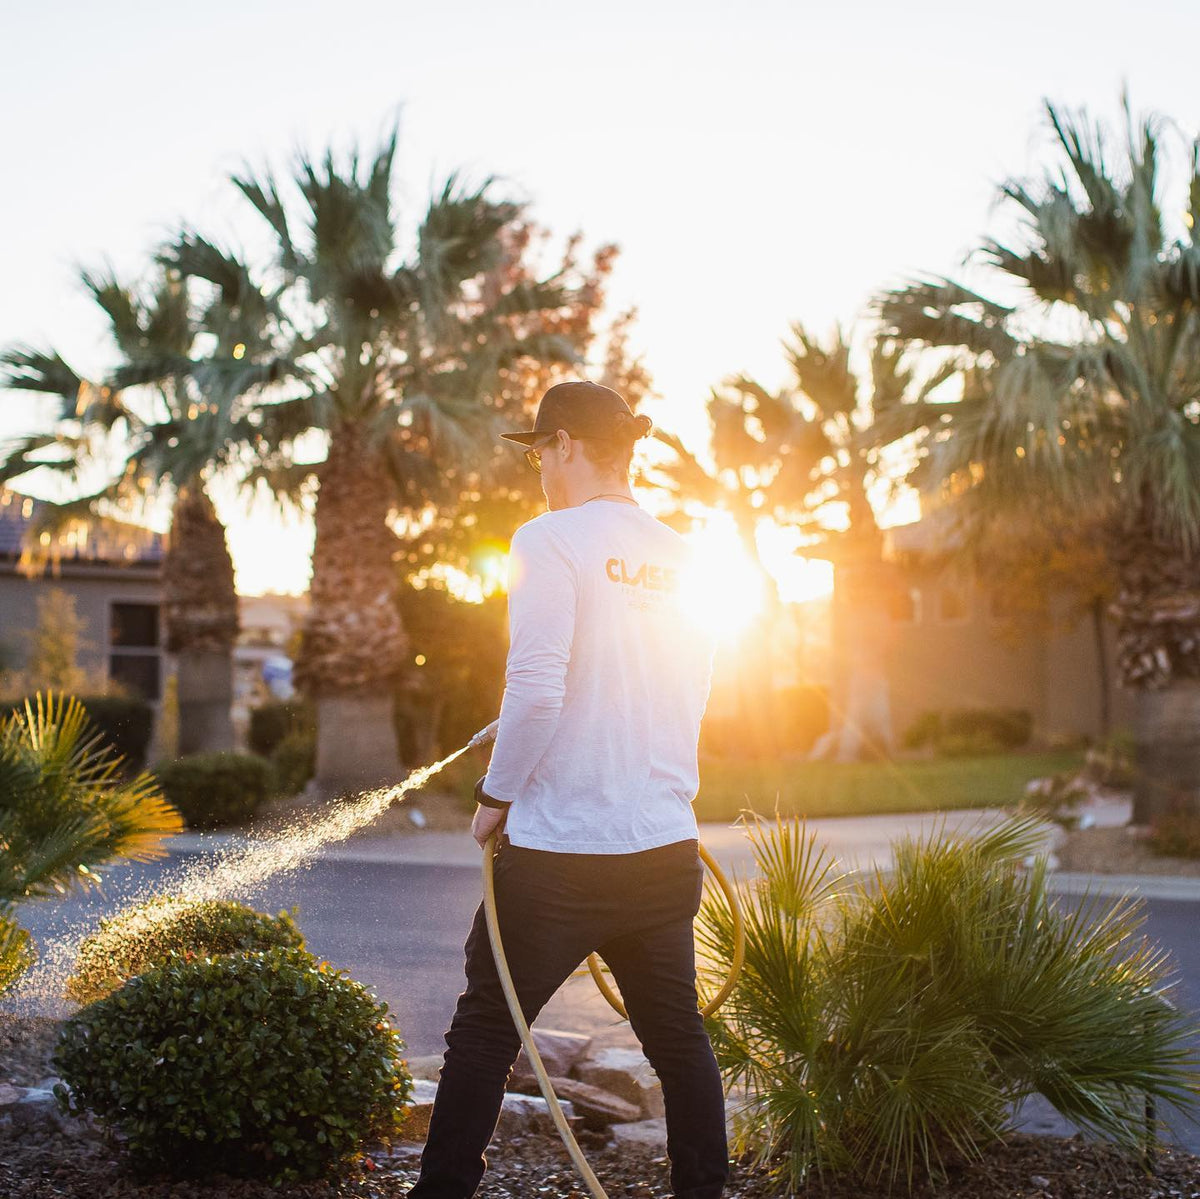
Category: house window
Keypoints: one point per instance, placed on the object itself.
(133, 649)
(906, 605)
(952, 604)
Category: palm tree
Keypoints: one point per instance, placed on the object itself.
(1081, 402)
(66, 813)
(789, 455)
(848, 410)
(169, 431)
(401, 360)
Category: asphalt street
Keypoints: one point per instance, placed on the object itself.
(400, 927)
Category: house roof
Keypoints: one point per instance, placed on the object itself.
(933, 535)
(98, 540)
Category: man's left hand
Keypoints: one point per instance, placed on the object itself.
(487, 821)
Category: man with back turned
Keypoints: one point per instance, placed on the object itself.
(591, 781)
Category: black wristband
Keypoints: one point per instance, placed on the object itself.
(482, 797)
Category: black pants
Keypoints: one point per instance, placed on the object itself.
(636, 910)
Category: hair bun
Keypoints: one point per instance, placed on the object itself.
(631, 425)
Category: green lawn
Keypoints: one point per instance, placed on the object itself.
(867, 788)
(832, 789)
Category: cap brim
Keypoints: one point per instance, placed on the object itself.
(523, 438)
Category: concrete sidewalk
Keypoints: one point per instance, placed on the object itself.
(857, 843)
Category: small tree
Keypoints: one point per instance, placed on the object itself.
(52, 661)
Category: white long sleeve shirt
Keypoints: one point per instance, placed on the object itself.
(607, 679)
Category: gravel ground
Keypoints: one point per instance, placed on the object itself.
(52, 1165)
(26, 1043)
(1118, 851)
(45, 1163)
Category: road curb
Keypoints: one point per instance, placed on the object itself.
(467, 856)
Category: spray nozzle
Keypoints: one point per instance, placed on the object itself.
(485, 736)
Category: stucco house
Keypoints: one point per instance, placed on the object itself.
(113, 571)
(952, 646)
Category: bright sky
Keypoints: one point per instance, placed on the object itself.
(758, 163)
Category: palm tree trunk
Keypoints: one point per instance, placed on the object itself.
(860, 700)
(200, 612)
(353, 646)
(1158, 655)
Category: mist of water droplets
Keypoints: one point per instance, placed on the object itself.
(238, 870)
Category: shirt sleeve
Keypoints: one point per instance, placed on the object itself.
(543, 587)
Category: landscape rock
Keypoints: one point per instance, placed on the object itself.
(559, 1051)
(34, 1109)
(645, 1134)
(596, 1108)
(522, 1114)
(627, 1074)
(519, 1114)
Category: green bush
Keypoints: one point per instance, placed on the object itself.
(253, 1064)
(1010, 728)
(883, 1026)
(272, 723)
(295, 761)
(125, 723)
(143, 937)
(970, 732)
(217, 788)
(924, 732)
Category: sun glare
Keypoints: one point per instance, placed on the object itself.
(725, 591)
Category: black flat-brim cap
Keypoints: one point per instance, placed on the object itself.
(583, 409)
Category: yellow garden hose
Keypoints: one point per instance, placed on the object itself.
(514, 1006)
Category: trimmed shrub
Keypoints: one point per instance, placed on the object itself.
(125, 721)
(257, 1064)
(1008, 728)
(272, 723)
(295, 761)
(144, 937)
(217, 788)
(969, 732)
(883, 1027)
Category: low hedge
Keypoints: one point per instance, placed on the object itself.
(295, 761)
(256, 1064)
(144, 937)
(218, 787)
(968, 732)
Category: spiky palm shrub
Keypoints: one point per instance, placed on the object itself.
(65, 812)
(883, 1026)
